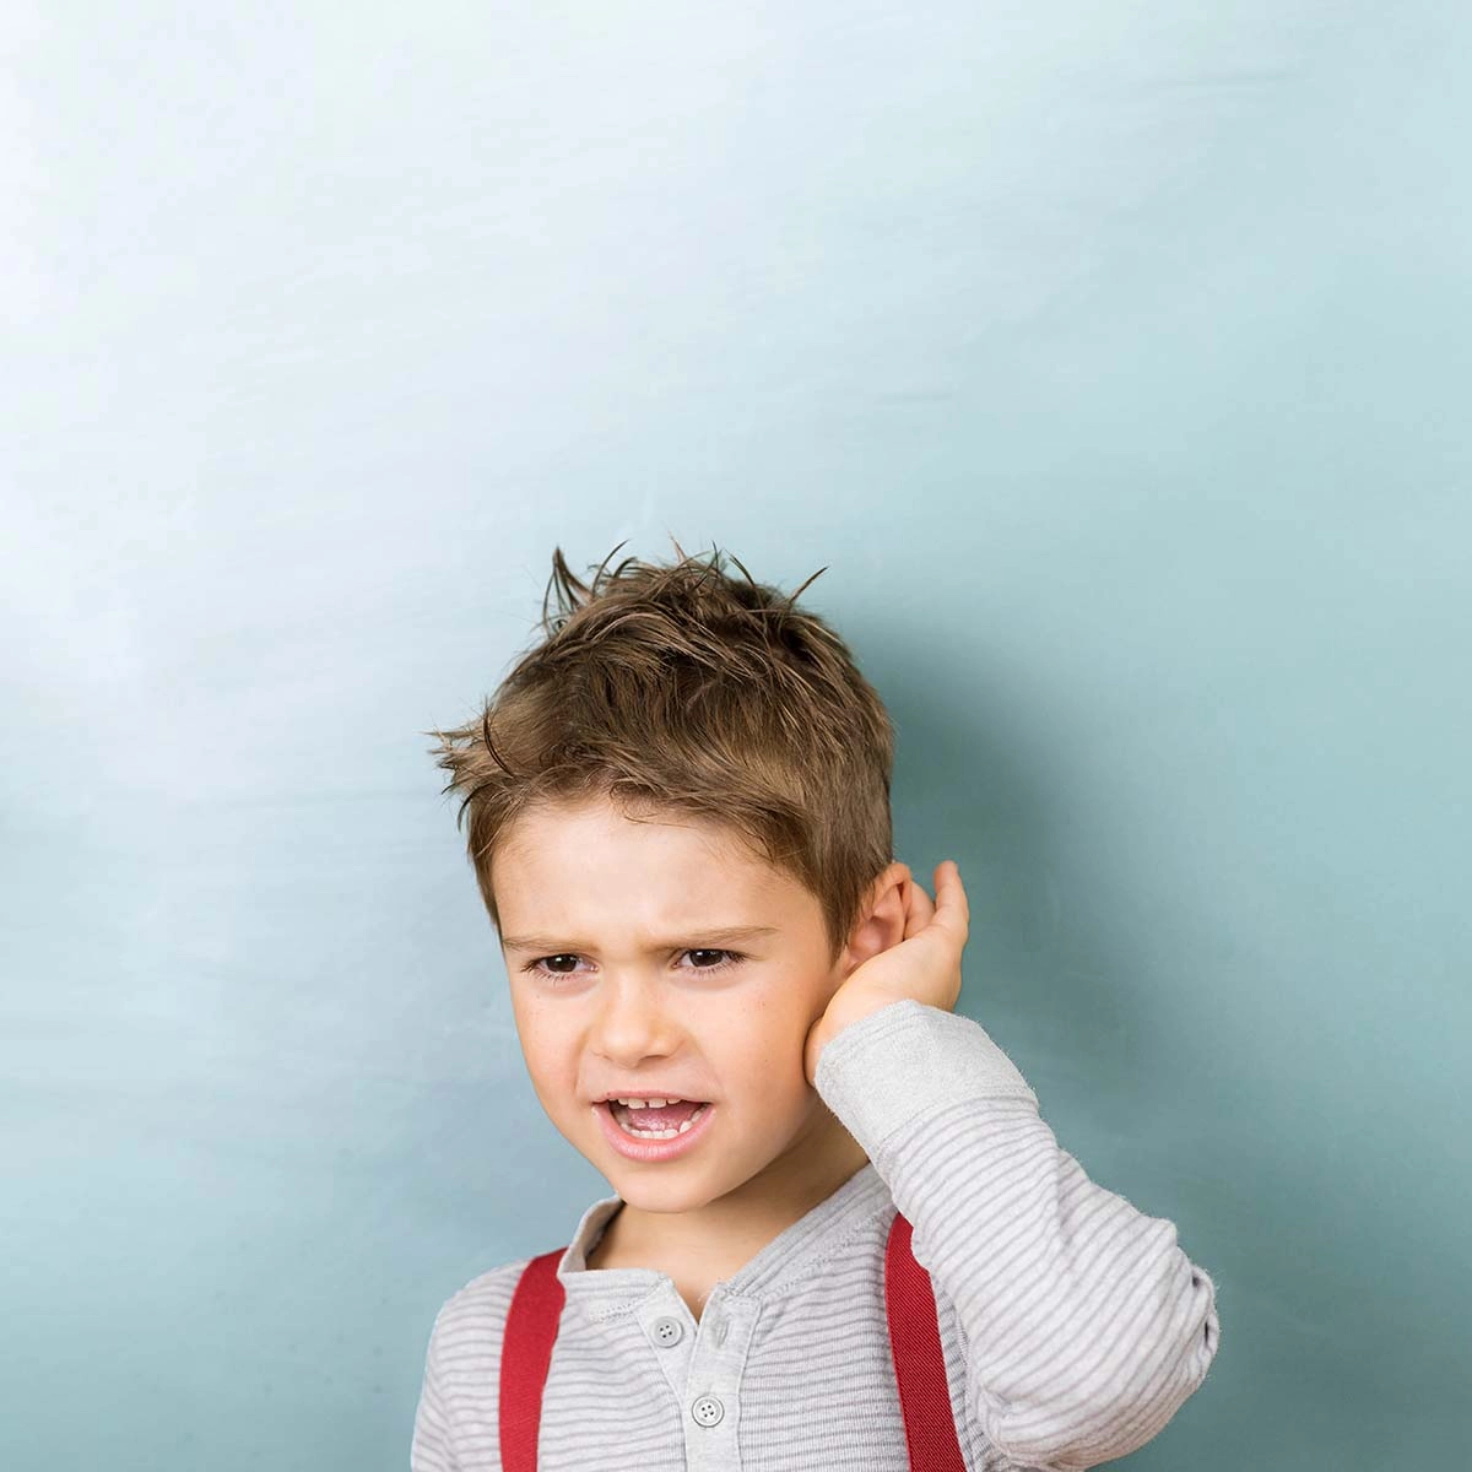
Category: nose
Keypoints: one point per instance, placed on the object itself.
(633, 1021)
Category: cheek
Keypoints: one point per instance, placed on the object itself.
(551, 1062)
(763, 1047)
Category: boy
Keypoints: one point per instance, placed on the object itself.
(738, 1006)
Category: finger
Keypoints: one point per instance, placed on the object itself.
(919, 911)
(952, 908)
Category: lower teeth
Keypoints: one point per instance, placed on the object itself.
(629, 1129)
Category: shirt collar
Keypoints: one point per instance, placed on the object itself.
(794, 1253)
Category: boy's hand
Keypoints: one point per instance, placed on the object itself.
(924, 967)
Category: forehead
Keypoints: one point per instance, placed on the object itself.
(591, 866)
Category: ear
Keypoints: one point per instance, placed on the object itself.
(882, 923)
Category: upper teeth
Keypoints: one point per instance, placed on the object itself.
(647, 1103)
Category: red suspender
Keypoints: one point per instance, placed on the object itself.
(914, 1338)
(531, 1331)
(919, 1362)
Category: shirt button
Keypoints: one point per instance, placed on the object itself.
(707, 1410)
(668, 1331)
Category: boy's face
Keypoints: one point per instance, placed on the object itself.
(609, 935)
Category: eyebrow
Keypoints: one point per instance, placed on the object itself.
(554, 945)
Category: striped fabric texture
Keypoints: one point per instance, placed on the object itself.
(1073, 1325)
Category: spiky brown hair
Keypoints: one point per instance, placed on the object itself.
(677, 689)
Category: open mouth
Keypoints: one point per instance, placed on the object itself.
(657, 1124)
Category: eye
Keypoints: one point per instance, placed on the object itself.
(731, 958)
(536, 965)
(728, 959)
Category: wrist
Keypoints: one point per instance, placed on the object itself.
(842, 1013)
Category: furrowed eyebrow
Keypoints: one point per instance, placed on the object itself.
(551, 945)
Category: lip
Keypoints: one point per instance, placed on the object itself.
(651, 1151)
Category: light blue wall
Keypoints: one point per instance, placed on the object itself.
(1113, 359)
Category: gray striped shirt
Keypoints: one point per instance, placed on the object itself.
(1073, 1325)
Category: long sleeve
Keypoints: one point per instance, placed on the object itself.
(433, 1447)
(1086, 1326)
